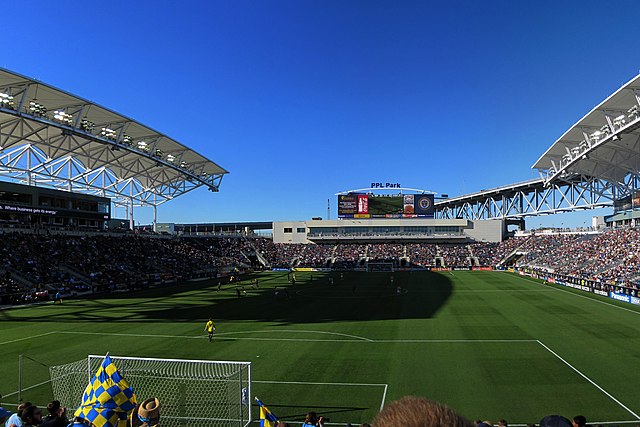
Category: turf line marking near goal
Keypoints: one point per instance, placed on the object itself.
(384, 396)
(453, 341)
(384, 393)
(28, 388)
(581, 296)
(314, 383)
(588, 379)
(28, 338)
(297, 331)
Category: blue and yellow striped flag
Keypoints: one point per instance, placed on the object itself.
(108, 399)
(267, 418)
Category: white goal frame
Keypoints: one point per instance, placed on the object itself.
(185, 388)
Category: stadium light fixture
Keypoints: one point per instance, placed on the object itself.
(142, 145)
(87, 125)
(127, 140)
(620, 120)
(158, 153)
(6, 100)
(37, 109)
(170, 158)
(184, 165)
(108, 133)
(63, 117)
(633, 113)
(595, 136)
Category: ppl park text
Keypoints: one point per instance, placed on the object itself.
(385, 185)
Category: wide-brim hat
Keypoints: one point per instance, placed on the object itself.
(146, 414)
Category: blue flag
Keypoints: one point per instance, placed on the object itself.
(267, 418)
(108, 399)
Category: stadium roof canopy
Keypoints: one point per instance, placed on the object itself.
(51, 137)
(604, 144)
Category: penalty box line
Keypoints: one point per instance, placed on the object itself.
(384, 393)
(589, 380)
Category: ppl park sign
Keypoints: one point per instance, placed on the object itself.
(385, 185)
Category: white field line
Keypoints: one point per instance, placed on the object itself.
(28, 388)
(384, 396)
(313, 383)
(384, 393)
(360, 339)
(28, 338)
(588, 379)
(297, 331)
(581, 296)
(453, 341)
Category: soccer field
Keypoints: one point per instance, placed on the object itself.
(488, 344)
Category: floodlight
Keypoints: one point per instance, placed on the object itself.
(633, 113)
(619, 121)
(37, 109)
(595, 136)
(87, 125)
(142, 145)
(170, 158)
(62, 117)
(127, 139)
(184, 165)
(6, 100)
(108, 133)
(158, 153)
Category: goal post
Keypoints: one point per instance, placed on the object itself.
(191, 392)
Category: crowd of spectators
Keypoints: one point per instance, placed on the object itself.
(408, 411)
(33, 264)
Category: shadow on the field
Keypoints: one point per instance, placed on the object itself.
(352, 296)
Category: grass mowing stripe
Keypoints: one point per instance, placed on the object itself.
(588, 379)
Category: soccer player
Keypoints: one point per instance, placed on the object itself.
(210, 327)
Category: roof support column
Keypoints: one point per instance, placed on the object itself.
(155, 213)
(131, 222)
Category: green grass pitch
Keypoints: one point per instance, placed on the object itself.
(488, 344)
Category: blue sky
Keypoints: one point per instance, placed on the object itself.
(302, 99)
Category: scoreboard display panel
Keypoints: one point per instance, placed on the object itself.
(377, 206)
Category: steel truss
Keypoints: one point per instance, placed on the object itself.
(534, 198)
(132, 165)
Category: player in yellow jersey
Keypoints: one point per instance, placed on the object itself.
(210, 327)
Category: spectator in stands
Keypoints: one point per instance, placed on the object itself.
(579, 421)
(555, 421)
(4, 415)
(57, 415)
(411, 411)
(31, 416)
(146, 414)
(312, 420)
(16, 419)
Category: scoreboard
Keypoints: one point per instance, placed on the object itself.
(354, 205)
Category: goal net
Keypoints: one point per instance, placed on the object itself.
(373, 267)
(191, 392)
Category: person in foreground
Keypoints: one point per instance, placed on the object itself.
(412, 411)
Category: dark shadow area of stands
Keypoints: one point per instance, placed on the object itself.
(352, 296)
